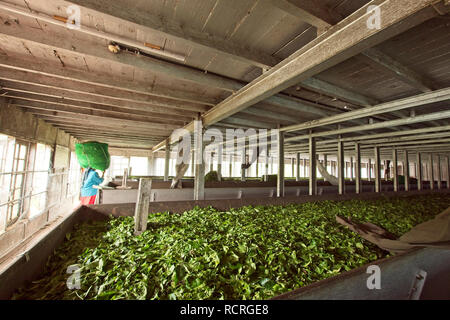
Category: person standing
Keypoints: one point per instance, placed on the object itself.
(88, 192)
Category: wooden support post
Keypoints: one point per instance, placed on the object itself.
(377, 169)
(325, 163)
(369, 170)
(406, 171)
(419, 171)
(438, 173)
(431, 171)
(167, 161)
(199, 179)
(395, 168)
(358, 167)
(312, 167)
(142, 205)
(341, 180)
(297, 163)
(280, 157)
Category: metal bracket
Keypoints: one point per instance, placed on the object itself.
(417, 286)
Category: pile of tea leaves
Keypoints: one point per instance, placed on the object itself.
(244, 253)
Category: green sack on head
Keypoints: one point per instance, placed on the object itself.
(93, 155)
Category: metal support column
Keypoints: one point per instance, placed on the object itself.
(448, 171)
(395, 168)
(438, 172)
(341, 169)
(431, 171)
(377, 169)
(351, 168)
(167, 161)
(406, 171)
(266, 169)
(199, 180)
(312, 167)
(280, 158)
(419, 171)
(219, 162)
(358, 167)
(243, 162)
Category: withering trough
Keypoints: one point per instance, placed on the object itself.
(399, 271)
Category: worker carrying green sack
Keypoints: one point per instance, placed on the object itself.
(92, 156)
(90, 179)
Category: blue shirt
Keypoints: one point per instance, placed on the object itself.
(90, 179)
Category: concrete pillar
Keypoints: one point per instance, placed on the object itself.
(280, 157)
(199, 180)
(431, 171)
(297, 163)
(395, 168)
(341, 168)
(312, 167)
(167, 161)
(377, 169)
(419, 171)
(358, 167)
(406, 171)
(438, 173)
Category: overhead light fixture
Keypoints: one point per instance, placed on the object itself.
(114, 48)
